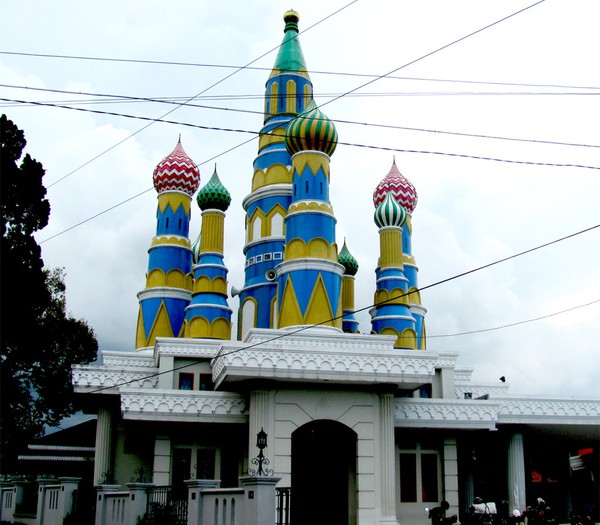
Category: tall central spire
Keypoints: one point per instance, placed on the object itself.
(288, 92)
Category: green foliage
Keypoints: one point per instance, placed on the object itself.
(40, 341)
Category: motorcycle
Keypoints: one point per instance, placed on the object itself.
(482, 513)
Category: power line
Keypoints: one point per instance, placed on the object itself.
(368, 146)
(237, 110)
(192, 98)
(510, 325)
(328, 321)
(435, 51)
(309, 71)
(359, 87)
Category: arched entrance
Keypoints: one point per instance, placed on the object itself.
(323, 474)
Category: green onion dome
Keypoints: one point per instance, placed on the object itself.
(347, 260)
(311, 130)
(213, 195)
(390, 213)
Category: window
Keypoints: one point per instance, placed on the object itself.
(206, 382)
(419, 473)
(205, 463)
(267, 257)
(408, 477)
(186, 381)
(429, 478)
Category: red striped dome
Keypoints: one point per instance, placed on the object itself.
(399, 186)
(177, 172)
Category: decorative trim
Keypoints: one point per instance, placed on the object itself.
(445, 413)
(183, 405)
(86, 377)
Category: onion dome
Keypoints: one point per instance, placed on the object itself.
(399, 186)
(347, 260)
(213, 194)
(177, 172)
(311, 130)
(390, 213)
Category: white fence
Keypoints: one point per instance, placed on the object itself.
(54, 501)
(251, 504)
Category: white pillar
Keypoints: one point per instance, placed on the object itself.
(103, 472)
(161, 472)
(260, 500)
(387, 471)
(261, 417)
(451, 475)
(516, 473)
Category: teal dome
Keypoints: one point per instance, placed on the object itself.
(347, 260)
(311, 130)
(390, 213)
(213, 195)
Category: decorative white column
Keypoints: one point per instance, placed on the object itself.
(103, 472)
(387, 471)
(161, 471)
(261, 419)
(516, 473)
(451, 475)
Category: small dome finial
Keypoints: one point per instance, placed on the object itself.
(291, 19)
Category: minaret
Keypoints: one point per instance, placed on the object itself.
(208, 314)
(345, 258)
(391, 314)
(169, 280)
(310, 277)
(287, 93)
(405, 194)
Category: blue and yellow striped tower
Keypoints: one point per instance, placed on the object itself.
(208, 314)
(310, 277)
(169, 280)
(405, 194)
(287, 93)
(391, 314)
(347, 260)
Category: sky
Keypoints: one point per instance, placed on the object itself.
(495, 120)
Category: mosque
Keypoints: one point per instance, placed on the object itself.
(367, 428)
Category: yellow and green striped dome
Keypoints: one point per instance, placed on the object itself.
(311, 130)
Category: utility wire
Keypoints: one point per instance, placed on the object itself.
(510, 325)
(435, 51)
(374, 305)
(309, 71)
(236, 110)
(192, 98)
(113, 99)
(363, 85)
(275, 134)
(380, 148)
(310, 27)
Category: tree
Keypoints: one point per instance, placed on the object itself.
(39, 340)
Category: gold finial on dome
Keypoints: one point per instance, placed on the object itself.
(291, 19)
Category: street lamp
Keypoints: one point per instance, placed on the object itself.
(261, 460)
